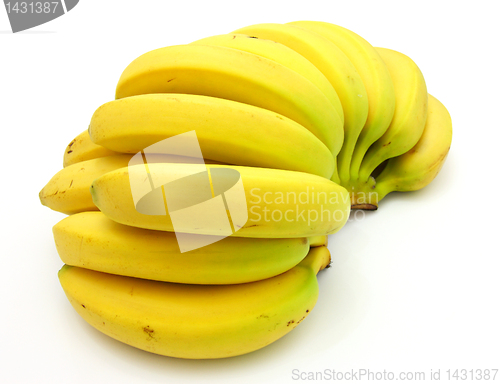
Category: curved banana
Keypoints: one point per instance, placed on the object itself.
(418, 167)
(195, 321)
(91, 240)
(409, 116)
(227, 131)
(82, 148)
(375, 76)
(281, 54)
(262, 202)
(336, 67)
(69, 189)
(234, 75)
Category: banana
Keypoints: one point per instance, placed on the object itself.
(418, 167)
(195, 321)
(409, 116)
(234, 75)
(376, 79)
(91, 240)
(262, 202)
(336, 67)
(69, 189)
(318, 241)
(281, 54)
(227, 131)
(82, 148)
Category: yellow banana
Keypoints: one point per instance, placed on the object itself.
(227, 131)
(69, 190)
(336, 67)
(419, 166)
(91, 240)
(234, 75)
(281, 54)
(195, 321)
(375, 76)
(264, 202)
(82, 148)
(409, 116)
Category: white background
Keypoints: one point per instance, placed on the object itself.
(413, 286)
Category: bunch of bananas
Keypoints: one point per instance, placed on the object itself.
(304, 109)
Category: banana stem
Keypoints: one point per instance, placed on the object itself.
(383, 188)
(365, 172)
(335, 177)
(357, 158)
